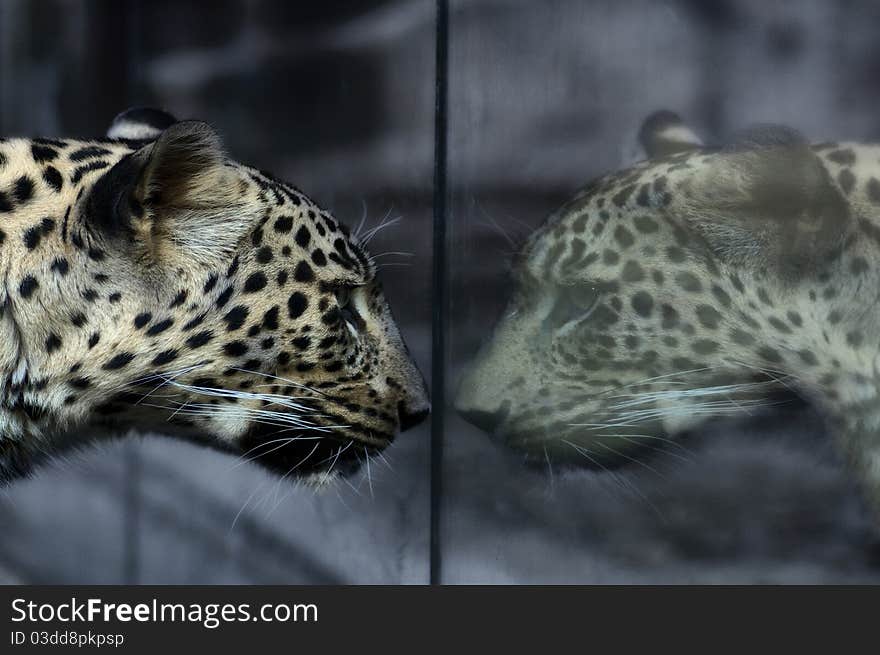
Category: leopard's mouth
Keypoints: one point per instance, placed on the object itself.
(559, 445)
(306, 453)
(332, 443)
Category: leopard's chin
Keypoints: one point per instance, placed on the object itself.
(309, 455)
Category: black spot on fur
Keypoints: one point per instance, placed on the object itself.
(270, 319)
(688, 281)
(179, 299)
(623, 237)
(642, 303)
(94, 339)
(303, 273)
(708, 316)
(60, 266)
(142, 319)
(164, 357)
(200, 339)
(645, 224)
(296, 304)
(808, 358)
(87, 168)
(846, 180)
(53, 343)
(235, 348)
(721, 295)
(160, 327)
(195, 322)
(53, 178)
(704, 346)
(47, 225)
(845, 157)
(27, 286)
(88, 152)
(224, 297)
(33, 236)
(255, 282)
(264, 255)
(42, 153)
(236, 317)
(770, 354)
(623, 195)
(118, 361)
(283, 224)
(742, 337)
(331, 317)
(24, 189)
(303, 237)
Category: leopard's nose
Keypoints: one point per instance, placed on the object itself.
(411, 417)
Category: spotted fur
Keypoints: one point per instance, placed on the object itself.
(150, 281)
(697, 283)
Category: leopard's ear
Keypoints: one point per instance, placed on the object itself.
(183, 168)
(176, 197)
(767, 203)
(664, 133)
(140, 124)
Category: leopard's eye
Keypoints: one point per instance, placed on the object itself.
(349, 314)
(343, 297)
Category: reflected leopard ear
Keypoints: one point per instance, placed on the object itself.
(140, 124)
(766, 135)
(664, 133)
(768, 204)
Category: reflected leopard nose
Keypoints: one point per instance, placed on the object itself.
(486, 421)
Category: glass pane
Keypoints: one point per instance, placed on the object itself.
(334, 98)
(614, 346)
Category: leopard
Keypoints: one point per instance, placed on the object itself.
(151, 283)
(701, 282)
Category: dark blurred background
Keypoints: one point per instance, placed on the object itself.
(338, 98)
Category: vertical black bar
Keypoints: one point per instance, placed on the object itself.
(439, 277)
